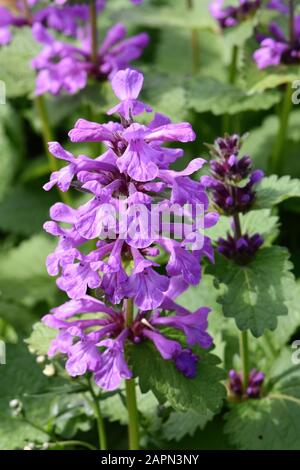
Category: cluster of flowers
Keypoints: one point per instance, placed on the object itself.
(135, 167)
(67, 20)
(64, 66)
(229, 16)
(232, 185)
(253, 389)
(279, 48)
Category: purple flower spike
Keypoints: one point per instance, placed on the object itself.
(125, 184)
(232, 180)
(241, 251)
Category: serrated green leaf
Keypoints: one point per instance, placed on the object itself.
(212, 95)
(16, 70)
(272, 190)
(20, 377)
(181, 424)
(254, 294)
(203, 393)
(40, 338)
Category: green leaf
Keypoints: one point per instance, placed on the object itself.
(212, 95)
(272, 422)
(181, 424)
(166, 95)
(211, 60)
(11, 147)
(16, 70)
(23, 275)
(272, 190)
(18, 316)
(24, 211)
(254, 294)
(203, 394)
(40, 338)
(238, 35)
(21, 377)
(175, 14)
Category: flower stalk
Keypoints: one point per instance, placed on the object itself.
(100, 421)
(194, 42)
(94, 33)
(133, 418)
(276, 161)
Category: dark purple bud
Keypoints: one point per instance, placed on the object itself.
(253, 389)
(241, 251)
(235, 382)
(186, 362)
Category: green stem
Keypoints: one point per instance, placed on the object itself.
(276, 160)
(195, 42)
(232, 75)
(244, 348)
(47, 136)
(133, 418)
(94, 34)
(244, 352)
(100, 421)
(73, 443)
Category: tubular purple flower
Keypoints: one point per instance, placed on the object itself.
(124, 183)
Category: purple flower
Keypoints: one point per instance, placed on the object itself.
(186, 362)
(127, 86)
(242, 250)
(254, 385)
(232, 181)
(229, 16)
(278, 48)
(125, 183)
(68, 20)
(278, 5)
(102, 351)
(64, 67)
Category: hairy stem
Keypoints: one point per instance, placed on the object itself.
(100, 421)
(276, 161)
(94, 33)
(133, 418)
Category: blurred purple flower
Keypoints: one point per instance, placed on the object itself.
(64, 67)
(229, 16)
